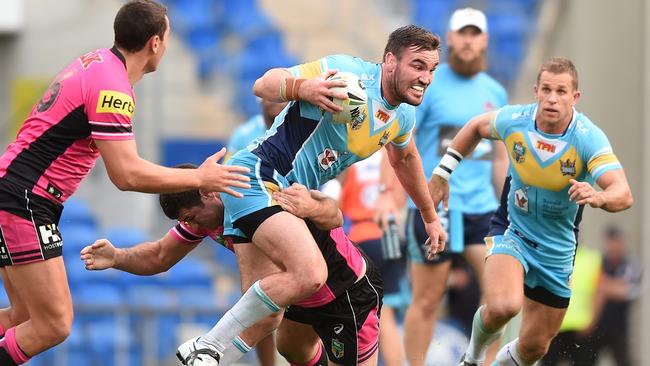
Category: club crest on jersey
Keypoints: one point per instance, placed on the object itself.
(358, 116)
(384, 138)
(568, 167)
(521, 199)
(49, 97)
(327, 158)
(519, 152)
(338, 348)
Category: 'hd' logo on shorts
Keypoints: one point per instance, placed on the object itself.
(50, 236)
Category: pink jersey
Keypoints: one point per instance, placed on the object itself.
(91, 99)
(344, 260)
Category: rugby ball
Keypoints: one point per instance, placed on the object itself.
(353, 107)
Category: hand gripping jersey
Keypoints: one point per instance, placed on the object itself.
(449, 103)
(541, 166)
(344, 260)
(91, 99)
(305, 146)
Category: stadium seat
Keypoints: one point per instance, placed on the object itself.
(75, 237)
(190, 272)
(77, 212)
(125, 236)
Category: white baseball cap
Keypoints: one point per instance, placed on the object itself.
(466, 17)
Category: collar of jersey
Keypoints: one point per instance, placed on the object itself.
(555, 135)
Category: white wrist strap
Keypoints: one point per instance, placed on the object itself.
(448, 163)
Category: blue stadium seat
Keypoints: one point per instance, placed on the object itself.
(126, 236)
(77, 212)
(75, 237)
(190, 272)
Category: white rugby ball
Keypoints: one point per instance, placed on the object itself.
(354, 106)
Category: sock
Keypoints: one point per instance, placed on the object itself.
(252, 307)
(480, 340)
(509, 356)
(11, 349)
(235, 350)
(319, 360)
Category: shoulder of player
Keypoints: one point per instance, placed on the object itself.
(517, 113)
(105, 70)
(343, 62)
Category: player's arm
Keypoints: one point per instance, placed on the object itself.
(390, 195)
(462, 145)
(144, 259)
(407, 164)
(313, 205)
(129, 172)
(280, 85)
(615, 194)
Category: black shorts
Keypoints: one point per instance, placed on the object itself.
(474, 229)
(28, 226)
(392, 271)
(349, 325)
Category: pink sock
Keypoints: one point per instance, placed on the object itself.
(9, 343)
(314, 361)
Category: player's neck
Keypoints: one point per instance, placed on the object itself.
(386, 92)
(136, 65)
(557, 128)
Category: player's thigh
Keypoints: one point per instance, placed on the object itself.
(539, 324)
(286, 239)
(504, 281)
(429, 281)
(17, 312)
(43, 287)
(296, 341)
(475, 255)
(253, 264)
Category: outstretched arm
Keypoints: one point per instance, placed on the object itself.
(129, 172)
(313, 205)
(144, 259)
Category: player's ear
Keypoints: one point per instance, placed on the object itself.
(390, 61)
(576, 97)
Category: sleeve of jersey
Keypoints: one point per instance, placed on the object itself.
(186, 235)
(318, 67)
(407, 124)
(600, 156)
(498, 123)
(109, 108)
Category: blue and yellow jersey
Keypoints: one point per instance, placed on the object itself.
(449, 103)
(305, 146)
(244, 135)
(541, 166)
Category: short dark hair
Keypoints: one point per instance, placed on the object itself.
(411, 36)
(172, 203)
(560, 65)
(136, 22)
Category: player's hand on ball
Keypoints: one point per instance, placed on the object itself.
(439, 190)
(318, 91)
(215, 177)
(99, 255)
(583, 193)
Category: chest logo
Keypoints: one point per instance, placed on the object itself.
(519, 152)
(521, 199)
(327, 158)
(545, 146)
(568, 167)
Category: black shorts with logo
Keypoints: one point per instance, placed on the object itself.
(349, 325)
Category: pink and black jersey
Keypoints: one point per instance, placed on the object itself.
(186, 234)
(91, 99)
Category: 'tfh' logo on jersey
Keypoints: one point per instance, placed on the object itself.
(568, 167)
(519, 152)
(50, 236)
(327, 158)
(111, 101)
(382, 116)
(545, 146)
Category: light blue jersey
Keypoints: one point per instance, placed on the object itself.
(305, 146)
(449, 103)
(244, 135)
(543, 222)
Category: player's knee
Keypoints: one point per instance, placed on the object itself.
(426, 304)
(56, 328)
(18, 315)
(313, 277)
(501, 311)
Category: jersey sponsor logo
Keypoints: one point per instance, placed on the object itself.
(366, 77)
(55, 192)
(521, 199)
(568, 167)
(111, 101)
(5, 258)
(90, 58)
(338, 328)
(519, 152)
(327, 158)
(384, 138)
(382, 116)
(338, 348)
(50, 236)
(545, 146)
(49, 97)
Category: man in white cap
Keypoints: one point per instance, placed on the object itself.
(460, 90)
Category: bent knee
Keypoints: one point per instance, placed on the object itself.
(502, 311)
(54, 329)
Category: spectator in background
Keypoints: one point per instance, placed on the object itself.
(255, 126)
(622, 285)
